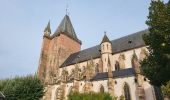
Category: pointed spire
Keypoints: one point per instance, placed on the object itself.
(48, 29)
(105, 38)
(66, 28)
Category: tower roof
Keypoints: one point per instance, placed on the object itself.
(66, 27)
(105, 39)
(48, 28)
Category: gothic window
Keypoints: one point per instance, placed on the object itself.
(126, 92)
(117, 67)
(101, 89)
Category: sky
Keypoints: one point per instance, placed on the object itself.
(22, 23)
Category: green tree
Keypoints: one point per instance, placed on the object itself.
(166, 90)
(90, 96)
(22, 88)
(156, 66)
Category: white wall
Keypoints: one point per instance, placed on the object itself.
(97, 84)
(120, 81)
(149, 91)
(120, 84)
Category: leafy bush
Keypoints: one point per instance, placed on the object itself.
(166, 89)
(22, 88)
(89, 96)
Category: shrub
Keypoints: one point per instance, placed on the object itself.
(166, 89)
(22, 88)
(89, 96)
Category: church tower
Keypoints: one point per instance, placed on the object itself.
(44, 52)
(106, 52)
(56, 49)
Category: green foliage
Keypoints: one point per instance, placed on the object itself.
(166, 89)
(90, 96)
(22, 88)
(157, 65)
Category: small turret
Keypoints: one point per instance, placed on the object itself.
(106, 52)
(106, 46)
(47, 30)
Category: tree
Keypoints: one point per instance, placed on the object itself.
(22, 88)
(90, 96)
(156, 66)
(166, 89)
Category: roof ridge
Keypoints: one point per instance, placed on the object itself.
(114, 40)
(127, 42)
(145, 30)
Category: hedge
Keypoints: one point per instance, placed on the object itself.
(22, 88)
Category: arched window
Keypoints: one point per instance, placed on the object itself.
(126, 92)
(101, 89)
(117, 67)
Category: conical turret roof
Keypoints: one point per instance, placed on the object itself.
(48, 29)
(105, 39)
(66, 27)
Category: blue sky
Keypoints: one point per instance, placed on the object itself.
(22, 23)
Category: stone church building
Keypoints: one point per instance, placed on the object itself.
(112, 66)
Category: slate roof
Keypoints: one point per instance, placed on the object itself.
(48, 27)
(116, 74)
(118, 45)
(66, 27)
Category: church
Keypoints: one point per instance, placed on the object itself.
(112, 66)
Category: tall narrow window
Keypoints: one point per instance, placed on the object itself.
(107, 46)
(126, 92)
(117, 67)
